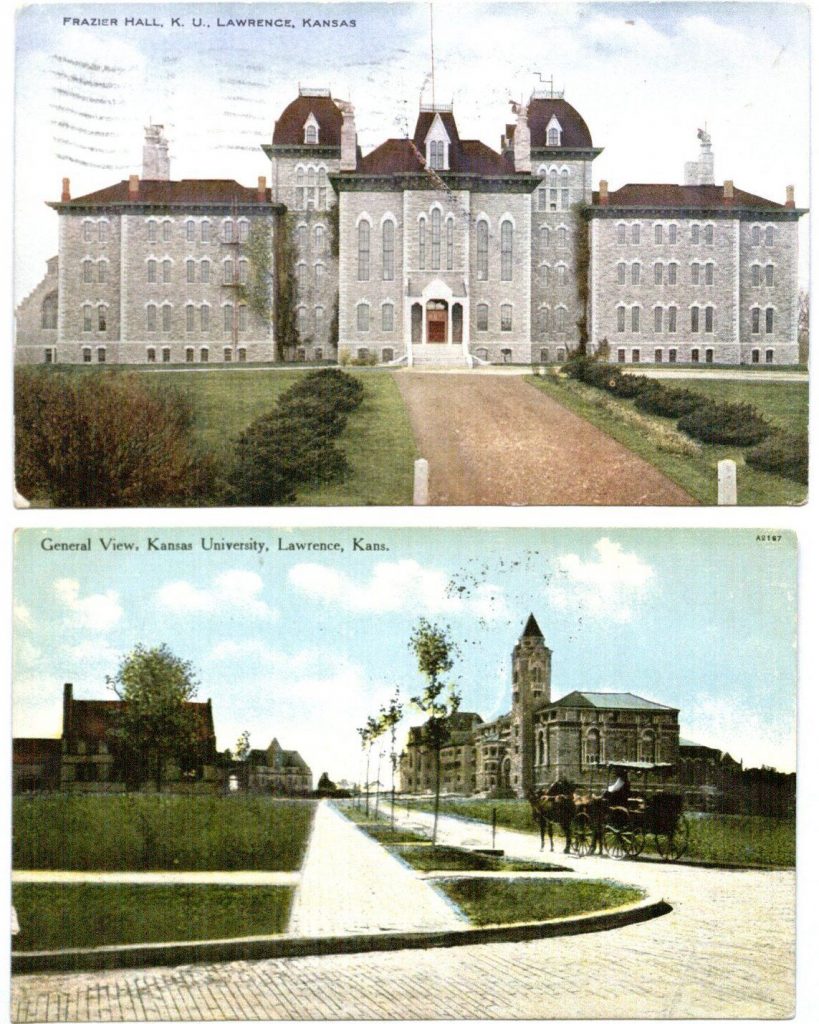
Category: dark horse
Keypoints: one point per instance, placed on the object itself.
(554, 806)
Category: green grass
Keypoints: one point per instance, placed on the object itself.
(695, 470)
(451, 858)
(501, 901)
(740, 839)
(715, 838)
(102, 914)
(153, 833)
(377, 440)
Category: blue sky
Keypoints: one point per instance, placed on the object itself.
(304, 645)
(644, 76)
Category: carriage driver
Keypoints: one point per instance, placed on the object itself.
(618, 793)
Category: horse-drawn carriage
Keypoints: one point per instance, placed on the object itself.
(620, 820)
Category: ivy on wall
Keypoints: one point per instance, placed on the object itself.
(582, 270)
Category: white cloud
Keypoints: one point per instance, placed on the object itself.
(745, 735)
(96, 611)
(235, 590)
(94, 653)
(608, 585)
(398, 586)
(22, 615)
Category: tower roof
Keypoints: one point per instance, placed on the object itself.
(575, 131)
(289, 130)
(532, 628)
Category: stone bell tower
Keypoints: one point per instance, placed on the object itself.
(531, 690)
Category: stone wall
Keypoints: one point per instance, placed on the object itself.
(36, 336)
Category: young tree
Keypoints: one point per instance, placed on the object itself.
(389, 717)
(243, 746)
(368, 736)
(156, 725)
(435, 651)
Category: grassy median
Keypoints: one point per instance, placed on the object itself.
(103, 914)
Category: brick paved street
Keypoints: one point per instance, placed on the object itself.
(727, 950)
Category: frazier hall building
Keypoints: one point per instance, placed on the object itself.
(433, 249)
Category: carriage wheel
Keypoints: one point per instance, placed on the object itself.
(673, 843)
(619, 834)
(582, 834)
(638, 841)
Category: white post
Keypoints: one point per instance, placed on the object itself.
(726, 482)
(420, 489)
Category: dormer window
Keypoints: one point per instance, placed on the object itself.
(436, 155)
(311, 131)
(554, 132)
(437, 145)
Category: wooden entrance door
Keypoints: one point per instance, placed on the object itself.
(436, 323)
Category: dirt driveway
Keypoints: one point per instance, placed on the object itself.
(496, 440)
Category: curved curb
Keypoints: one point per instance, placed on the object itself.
(172, 954)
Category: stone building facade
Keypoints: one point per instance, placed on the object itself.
(428, 249)
(540, 740)
(277, 772)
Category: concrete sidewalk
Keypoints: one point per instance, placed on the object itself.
(351, 885)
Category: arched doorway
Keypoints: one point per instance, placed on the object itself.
(437, 322)
(457, 323)
(417, 322)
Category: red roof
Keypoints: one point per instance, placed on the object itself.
(92, 719)
(684, 196)
(424, 123)
(189, 191)
(575, 130)
(289, 130)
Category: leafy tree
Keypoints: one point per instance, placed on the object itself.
(435, 651)
(243, 746)
(287, 335)
(368, 736)
(156, 725)
(106, 440)
(803, 325)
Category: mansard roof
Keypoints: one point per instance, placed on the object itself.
(608, 702)
(424, 123)
(289, 130)
(408, 156)
(188, 192)
(575, 132)
(684, 197)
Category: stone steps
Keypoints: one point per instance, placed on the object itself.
(438, 355)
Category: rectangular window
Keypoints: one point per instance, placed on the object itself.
(190, 231)
(87, 323)
(102, 322)
(388, 251)
(506, 251)
(769, 321)
(621, 233)
(769, 275)
(658, 234)
(482, 318)
(191, 271)
(635, 234)
(635, 355)
(672, 234)
(188, 355)
(658, 355)
(695, 273)
(166, 271)
(227, 354)
(166, 318)
(205, 231)
(695, 355)
(387, 311)
(708, 234)
(151, 355)
(86, 355)
(166, 355)
(621, 318)
(755, 321)
(672, 355)
(695, 319)
(189, 318)
(100, 359)
(672, 319)
(483, 250)
(506, 318)
(709, 319)
(658, 273)
(541, 200)
(204, 318)
(769, 355)
(621, 355)
(564, 199)
(695, 234)
(672, 273)
(363, 317)
(203, 355)
(658, 319)
(635, 318)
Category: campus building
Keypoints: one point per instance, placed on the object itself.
(541, 740)
(431, 248)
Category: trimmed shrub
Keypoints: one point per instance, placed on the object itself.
(628, 385)
(726, 423)
(783, 454)
(665, 401)
(339, 389)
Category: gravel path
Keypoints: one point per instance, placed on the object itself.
(493, 440)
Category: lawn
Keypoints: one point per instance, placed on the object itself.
(154, 833)
(713, 838)
(101, 914)
(452, 858)
(692, 466)
(377, 441)
(501, 901)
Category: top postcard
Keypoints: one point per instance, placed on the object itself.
(379, 254)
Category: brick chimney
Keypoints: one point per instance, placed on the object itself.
(66, 196)
(790, 201)
(604, 193)
(68, 711)
(261, 189)
(728, 192)
(349, 140)
(133, 186)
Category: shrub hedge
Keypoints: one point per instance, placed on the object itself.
(735, 423)
(663, 401)
(782, 453)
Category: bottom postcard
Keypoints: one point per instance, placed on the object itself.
(403, 774)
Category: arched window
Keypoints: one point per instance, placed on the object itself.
(363, 316)
(319, 237)
(560, 320)
(672, 320)
(387, 316)
(151, 271)
(166, 271)
(592, 747)
(658, 319)
(190, 271)
(506, 317)
(243, 271)
(388, 250)
(166, 317)
(635, 319)
(363, 250)
(87, 271)
(318, 273)
(635, 273)
(435, 225)
(102, 271)
(506, 250)
(190, 313)
(482, 317)
(422, 243)
(621, 273)
(318, 318)
(544, 237)
(564, 189)
(228, 318)
(672, 273)
(483, 250)
(769, 320)
(190, 231)
(204, 318)
(311, 135)
(769, 275)
(647, 744)
(301, 236)
(205, 231)
(150, 355)
(658, 273)
(48, 312)
(695, 319)
(755, 235)
(450, 243)
(621, 318)
(227, 270)
(243, 317)
(553, 137)
(541, 749)
(150, 318)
